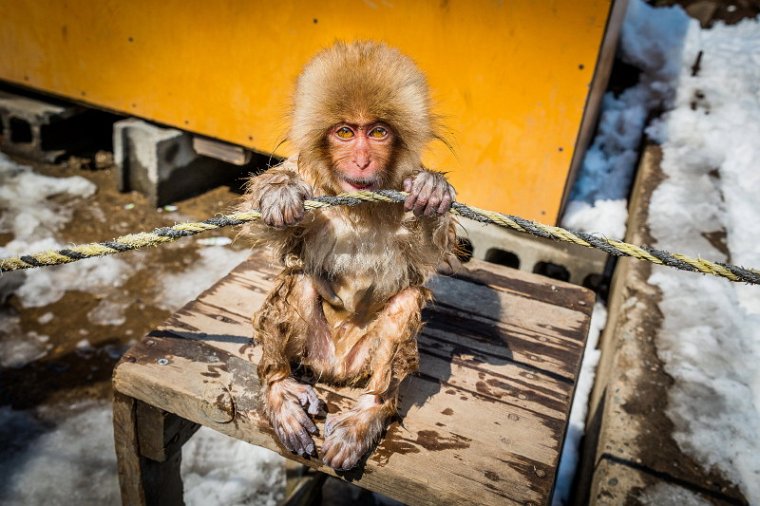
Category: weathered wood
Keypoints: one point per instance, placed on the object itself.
(127, 449)
(149, 452)
(162, 434)
(483, 420)
(162, 481)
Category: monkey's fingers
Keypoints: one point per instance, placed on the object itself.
(412, 197)
(308, 399)
(296, 431)
(341, 452)
(341, 460)
(292, 210)
(282, 436)
(435, 200)
(419, 193)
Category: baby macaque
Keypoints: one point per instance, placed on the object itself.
(347, 304)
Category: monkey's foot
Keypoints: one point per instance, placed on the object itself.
(287, 404)
(350, 435)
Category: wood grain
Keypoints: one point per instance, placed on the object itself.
(481, 423)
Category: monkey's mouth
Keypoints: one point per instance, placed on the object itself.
(352, 184)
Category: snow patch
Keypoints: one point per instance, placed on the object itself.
(668, 493)
(74, 463)
(605, 217)
(62, 455)
(108, 312)
(710, 336)
(33, 209)
(17, 349)
(217, 469)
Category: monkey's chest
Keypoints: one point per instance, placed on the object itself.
(361, 265)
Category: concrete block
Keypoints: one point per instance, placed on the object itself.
(558, 260)
(161, 163)
(38, 129)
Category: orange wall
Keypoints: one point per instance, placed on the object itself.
(511, 78)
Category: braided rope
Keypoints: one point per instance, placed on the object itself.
(169, 234)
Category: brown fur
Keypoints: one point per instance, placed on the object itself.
(348, 302)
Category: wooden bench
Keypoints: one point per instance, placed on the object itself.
(481, 423)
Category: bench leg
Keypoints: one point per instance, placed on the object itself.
(149, 452)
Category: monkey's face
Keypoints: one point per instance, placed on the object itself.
(361, 155)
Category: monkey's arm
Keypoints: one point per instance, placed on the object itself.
(289, 325)
(430, 198)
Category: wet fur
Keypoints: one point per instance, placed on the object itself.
(348, 302)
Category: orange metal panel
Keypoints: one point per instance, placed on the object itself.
(511, 78)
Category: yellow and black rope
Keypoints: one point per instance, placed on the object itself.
(169, 234)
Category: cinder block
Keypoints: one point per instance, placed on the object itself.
(559, 260)
(161, 163)
(38, 129)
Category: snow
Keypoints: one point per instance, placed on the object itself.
(61, 455)
(579, 409)
(667, 493)
(108, 312)
(33, 210)
(16, 348)
(651, 39)
(710, 336)
(605, 216)
(217, 469)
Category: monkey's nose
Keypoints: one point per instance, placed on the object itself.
(362, 162)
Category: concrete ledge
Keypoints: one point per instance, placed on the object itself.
(629, 451)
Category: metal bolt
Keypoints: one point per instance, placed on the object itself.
(163, 361)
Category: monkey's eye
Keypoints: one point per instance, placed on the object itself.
(378, 132)
(344, 132)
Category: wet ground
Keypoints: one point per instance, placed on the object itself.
(70, 372)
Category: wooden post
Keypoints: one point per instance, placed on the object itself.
(149, 452)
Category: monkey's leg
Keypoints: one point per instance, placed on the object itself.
(289, 323)
(348, 436)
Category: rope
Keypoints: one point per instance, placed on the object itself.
(169, 234)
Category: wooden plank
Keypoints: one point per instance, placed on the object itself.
(403, 456)
(488, 374)
(489, 405)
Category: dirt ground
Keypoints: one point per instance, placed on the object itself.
(68, 372)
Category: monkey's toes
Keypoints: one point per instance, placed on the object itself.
(348, 437)
(342, 455)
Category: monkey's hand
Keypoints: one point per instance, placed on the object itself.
(286, 400)
(281, 197)
(429, 194)
(350, 435)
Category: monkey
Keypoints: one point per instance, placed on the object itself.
(347, 304)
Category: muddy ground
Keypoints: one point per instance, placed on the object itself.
(68, 372)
